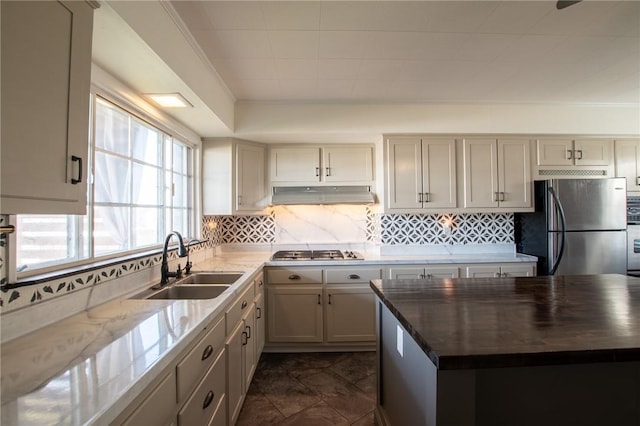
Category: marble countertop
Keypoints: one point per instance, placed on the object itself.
(509, 322)
(91, 366)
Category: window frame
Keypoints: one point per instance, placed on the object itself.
(169, 137)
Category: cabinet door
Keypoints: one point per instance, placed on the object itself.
(348, 164)
(439, 173)
(260, 329)
(483, 271)
(251, 194)
(351, 313)
(555, 152)
(524, 270)
(295, 164)
(480, 173)
(46, 72)
(235, 376)
(249, 349)
(628, 162)
(404, 173)
(514, 174)
(295, 313)
(593, 152)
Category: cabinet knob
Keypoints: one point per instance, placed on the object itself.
(294, 277)
(207, 352)
(208, 400)
(244, 304)
(354, 277)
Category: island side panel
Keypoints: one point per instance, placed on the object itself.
(406, 377)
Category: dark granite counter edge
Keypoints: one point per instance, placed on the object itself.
(507, 360)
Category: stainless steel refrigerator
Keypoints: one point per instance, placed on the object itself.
(579, 226)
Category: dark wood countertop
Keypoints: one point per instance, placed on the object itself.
(506, 322)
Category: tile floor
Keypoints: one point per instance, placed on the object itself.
(312, 389)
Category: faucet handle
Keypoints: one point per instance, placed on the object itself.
(179, 272)
(187, 267)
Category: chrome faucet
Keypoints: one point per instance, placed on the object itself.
(187, 267)
(182, 252)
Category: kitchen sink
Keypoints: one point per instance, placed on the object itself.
(210, 278)
(186, 292)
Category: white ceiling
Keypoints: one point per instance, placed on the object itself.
(234, 59)
(421, 51)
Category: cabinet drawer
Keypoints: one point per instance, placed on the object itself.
(157, 407)
(239, 307)
(294, 276)
(352, 275)
(204, 401)
(199, 359)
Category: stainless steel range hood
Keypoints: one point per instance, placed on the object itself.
(322, 195)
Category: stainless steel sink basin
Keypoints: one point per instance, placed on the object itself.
(190, 292)
(209, 278)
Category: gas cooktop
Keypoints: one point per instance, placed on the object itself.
(316, 255)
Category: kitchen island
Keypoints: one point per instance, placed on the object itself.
(509, 351)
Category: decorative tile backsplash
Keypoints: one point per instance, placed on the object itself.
(341, 224)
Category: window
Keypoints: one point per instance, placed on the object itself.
(141, 189)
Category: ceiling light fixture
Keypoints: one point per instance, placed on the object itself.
(169, 100)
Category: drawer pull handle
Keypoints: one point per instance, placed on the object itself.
(259, 310)
(248, 330)
(329, 298)
(319, 300)
(244, 304)
(327, 171)
(246, 338)
(208, 400)
(318, 171)
(570, 154)
(207, 352)
(294, 277)
(354, 277)
(78, 179)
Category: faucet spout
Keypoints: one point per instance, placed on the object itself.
(182, 252)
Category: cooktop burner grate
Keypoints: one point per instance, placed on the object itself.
(316, 255)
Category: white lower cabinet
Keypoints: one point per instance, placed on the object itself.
(157, 408)
(321, 307)
(207, 383)
(294, 313)
(350, 313)
(494, 270)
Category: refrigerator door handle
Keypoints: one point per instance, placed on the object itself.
(563, 222)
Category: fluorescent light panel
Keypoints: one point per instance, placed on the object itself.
(169, 100)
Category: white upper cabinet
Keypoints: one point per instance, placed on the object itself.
(420, 173)
(497, 173)
(318, 165)
(558, 157)
(233, 177)
(46, 76)
(627, 161)
(295, 164)
(350, 164)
